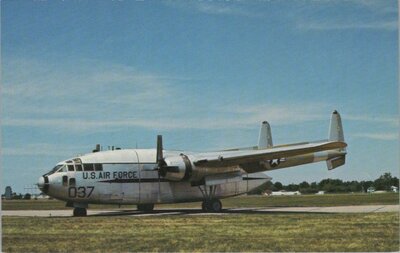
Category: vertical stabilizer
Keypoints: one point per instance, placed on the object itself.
(265, 138)
(336, 128)
(336, 134)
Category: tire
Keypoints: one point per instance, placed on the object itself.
(145, 207)
(213, 205)
(80, 212)
(204, 206)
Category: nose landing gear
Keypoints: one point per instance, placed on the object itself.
(79, 208)
(79, 212)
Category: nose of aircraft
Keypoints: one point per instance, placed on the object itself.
(43, 184)
(40, 183)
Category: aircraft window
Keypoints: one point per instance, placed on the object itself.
(63, 169)
(65, 179)
(77, 160)
(70, 167)
(98, 167)
(72, 182)
(78, 167)
(55, 169)
(88, 167)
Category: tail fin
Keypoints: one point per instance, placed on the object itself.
(336, 128)
(265, 137)
(336, 134)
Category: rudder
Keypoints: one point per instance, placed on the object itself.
(265, 137)
(336, 134)
(336, 128)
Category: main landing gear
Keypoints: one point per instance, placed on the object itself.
(80, 212)
(210, 202)
(145, 207)
(212, 205)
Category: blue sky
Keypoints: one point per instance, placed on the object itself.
(202, 73)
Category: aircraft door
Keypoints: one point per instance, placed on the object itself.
(149, 179)
(132, 188)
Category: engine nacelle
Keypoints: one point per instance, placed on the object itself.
(180, 168)
(176, 168)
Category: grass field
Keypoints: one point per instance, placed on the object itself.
(238, 232)
(234, 232)
(241, 201)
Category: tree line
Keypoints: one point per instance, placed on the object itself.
(383, 183)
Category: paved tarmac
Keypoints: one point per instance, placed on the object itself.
(197, 211)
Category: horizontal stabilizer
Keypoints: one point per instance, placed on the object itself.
(336, 162)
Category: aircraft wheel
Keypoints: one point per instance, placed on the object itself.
(145, 207)
(204, 206)
(215, 205)
(80, 212)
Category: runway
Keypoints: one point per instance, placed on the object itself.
(198, 211)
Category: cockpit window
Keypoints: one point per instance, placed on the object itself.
(63, 169)
(70, 167)
(77, 160)
(58, 168)
(78, 167)
(55, 169)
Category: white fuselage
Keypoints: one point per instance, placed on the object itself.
(129, 177)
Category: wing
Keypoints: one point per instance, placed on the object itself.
(247, 158)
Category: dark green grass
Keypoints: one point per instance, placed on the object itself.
(242, 201)
(239, 232)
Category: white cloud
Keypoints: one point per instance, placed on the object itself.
(101, 97)
(382, 119)
(383, 25)
(110, 97)
(379, 136)
(242, 118)
(226, 8)
(34, 89)
(347, 15)
(378, 6)
(307, 16)
(43, 149)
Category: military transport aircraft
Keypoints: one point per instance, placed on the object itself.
(148, 176)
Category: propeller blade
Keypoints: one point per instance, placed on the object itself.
(160, 158)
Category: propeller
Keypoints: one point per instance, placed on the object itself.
(159, 157)
(162, 166)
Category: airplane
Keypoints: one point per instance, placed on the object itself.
(145, 177)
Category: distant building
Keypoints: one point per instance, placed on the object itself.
(394, 188)
(320, 193)
(285, 193)
(42, 196)
(8, 193)
(371, 189)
